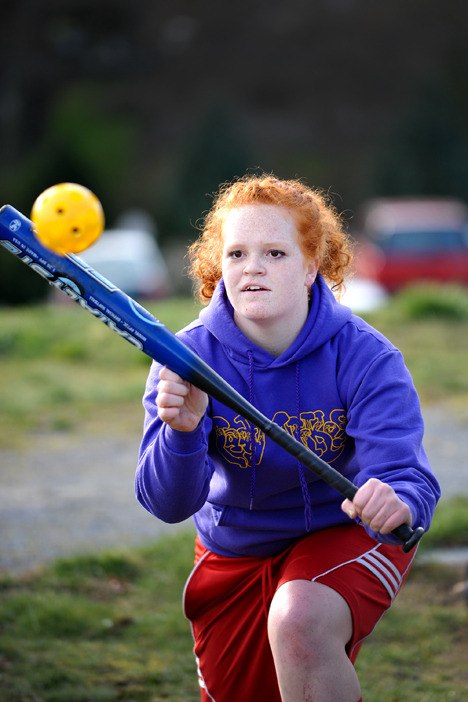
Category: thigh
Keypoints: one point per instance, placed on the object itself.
(225, 602)
(366, 574)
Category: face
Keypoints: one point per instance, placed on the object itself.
(266, 275)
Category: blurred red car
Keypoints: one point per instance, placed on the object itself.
(403, 241)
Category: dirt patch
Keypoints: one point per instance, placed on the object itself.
(66, 494)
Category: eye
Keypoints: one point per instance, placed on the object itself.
(276, 253)
(236, 253)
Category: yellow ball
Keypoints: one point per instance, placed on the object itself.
(67, 218)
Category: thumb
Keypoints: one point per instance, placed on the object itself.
(349, 509)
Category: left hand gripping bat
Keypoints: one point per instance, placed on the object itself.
(126, 317)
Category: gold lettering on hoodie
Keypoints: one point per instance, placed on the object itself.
(239, 442)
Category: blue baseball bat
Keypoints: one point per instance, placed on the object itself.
(121, 313)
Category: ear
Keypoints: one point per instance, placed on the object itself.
(311, 273)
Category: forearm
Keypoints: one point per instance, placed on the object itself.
(173, 474)
(405, 468)
(385, 422)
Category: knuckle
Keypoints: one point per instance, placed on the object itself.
(373, 482)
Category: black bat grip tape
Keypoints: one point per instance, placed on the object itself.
(408, 536)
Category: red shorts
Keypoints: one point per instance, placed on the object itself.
(227, 602)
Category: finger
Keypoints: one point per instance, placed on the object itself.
(375, 501)
(366, 493)
(166, 373)
(349, 509)
(370, 501)
(399, 517)
(168, 414)
(168, 399)
(376, 511)
(377, 520)
(171, 388)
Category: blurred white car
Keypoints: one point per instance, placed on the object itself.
(132, 260)
(363, 295)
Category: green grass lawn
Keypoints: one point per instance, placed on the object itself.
(110, 627)
(61, 370)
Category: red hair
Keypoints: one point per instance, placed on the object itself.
(321, 233)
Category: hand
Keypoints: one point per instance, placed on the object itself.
(180, 404)
(378, 506)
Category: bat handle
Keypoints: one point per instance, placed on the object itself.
(408, 536)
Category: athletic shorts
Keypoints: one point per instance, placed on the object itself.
(227, 601)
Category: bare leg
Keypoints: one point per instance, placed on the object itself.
(309, 626)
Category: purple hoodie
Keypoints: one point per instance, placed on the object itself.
(341, 388)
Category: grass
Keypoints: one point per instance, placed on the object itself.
(109, 626)
(430, 325)
(99, 627)
(418, 650)
(60, 370)
(450, 525)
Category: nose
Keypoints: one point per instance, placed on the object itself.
(254, 265)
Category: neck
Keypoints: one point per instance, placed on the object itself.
(272, 337)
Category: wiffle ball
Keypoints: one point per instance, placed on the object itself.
(67, 218)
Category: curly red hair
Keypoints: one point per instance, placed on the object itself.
(322, 236)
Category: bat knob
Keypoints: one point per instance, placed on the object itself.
(408, 536)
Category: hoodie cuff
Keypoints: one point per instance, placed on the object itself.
(185, 442)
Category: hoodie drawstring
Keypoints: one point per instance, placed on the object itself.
(253, 472)
(300, 467)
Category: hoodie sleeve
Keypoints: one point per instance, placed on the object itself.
(386, 424)
(173, 473)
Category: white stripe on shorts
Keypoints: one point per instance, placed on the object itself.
(378, 564)
(384, 570)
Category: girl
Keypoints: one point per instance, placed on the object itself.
(289, 578)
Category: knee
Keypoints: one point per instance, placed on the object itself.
(307, 621)
(294, 629)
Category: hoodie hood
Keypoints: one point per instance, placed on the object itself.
(326, 318)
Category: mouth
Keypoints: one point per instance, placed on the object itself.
(254, 288)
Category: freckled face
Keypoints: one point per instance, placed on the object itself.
(265, 272)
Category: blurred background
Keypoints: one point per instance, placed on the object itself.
(153, 104)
